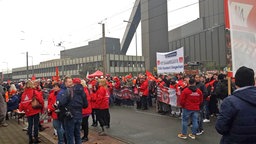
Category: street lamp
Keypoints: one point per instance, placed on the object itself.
(136, 47)
(62, 59)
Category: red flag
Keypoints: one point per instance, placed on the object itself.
(128, 76)
(150, 76)
(33, 78)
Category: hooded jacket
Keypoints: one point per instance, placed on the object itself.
(191, 98)
(237, 119)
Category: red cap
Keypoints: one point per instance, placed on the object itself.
(76, 80)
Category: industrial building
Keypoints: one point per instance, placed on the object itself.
(78, 61)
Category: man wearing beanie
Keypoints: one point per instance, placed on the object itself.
(237, 120)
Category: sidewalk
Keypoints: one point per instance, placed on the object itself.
(13, 134)
(93, 136)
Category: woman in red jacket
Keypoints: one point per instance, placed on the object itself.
(51, 109)
(31, 113)
(103, 104)
(86, 113)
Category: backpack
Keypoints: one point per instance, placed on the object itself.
(78, 97)
(76, 102)
(222, 89)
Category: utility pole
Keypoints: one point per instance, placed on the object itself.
(104, 60)
(27, 63)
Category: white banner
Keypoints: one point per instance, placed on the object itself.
(170, 62)
(242, 16)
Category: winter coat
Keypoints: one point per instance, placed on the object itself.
(237, 119)
(13, 103)
(26, 98)
(51, 101)
(191, 98)
(102, 96)
(88, 110)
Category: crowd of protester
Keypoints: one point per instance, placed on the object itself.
(72, 100)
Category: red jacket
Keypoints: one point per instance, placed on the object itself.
(25, 103)
(51, 101)
(88, 110)
(102, 96)
(93, 100)
(191, 98)
(144, 88)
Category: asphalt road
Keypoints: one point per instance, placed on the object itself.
(148, 127)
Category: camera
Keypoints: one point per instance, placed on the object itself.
(57, 110)
(68, 114)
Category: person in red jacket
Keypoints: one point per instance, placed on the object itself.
(86, 113)
(144, 91)
(93, 87)
(57, 124)
(103, 104)
(31, 113)
(190, 101)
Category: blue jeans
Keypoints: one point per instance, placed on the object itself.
(58, 126)
(33, 121)
(72, 130)
(206, 110)
(186, 114)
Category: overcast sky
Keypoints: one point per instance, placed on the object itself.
(36, 25)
